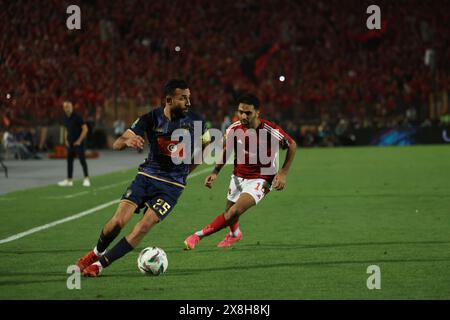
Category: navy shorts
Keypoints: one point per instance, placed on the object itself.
(76, 151)
(157, 195)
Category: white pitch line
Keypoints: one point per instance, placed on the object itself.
(55, 223)
(193, 175)
(87, 192)
(112, 185)
(7, 199)
(77, 216)
(75, 195)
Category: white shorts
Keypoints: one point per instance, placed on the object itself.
(257, 188)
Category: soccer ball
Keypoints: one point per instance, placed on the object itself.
(152, 261)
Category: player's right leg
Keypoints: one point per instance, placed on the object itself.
(125, 245)
(109, 232)
(223, 220)
(81, 152)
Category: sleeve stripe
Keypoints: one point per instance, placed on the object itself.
(274, 132)
(274, 135)
(232, 127)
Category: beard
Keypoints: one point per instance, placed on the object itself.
(178, 112)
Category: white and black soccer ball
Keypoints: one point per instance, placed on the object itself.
(152, 261)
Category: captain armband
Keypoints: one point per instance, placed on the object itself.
(206, 138)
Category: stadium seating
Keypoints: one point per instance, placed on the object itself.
(126, 50)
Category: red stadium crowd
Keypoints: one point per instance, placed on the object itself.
(334, 67)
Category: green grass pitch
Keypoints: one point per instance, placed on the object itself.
(343, 210)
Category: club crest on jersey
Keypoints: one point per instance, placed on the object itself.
(171, 148)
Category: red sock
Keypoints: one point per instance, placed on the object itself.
(218, 224)
(234, 226)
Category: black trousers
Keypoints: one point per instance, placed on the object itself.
(79, 151)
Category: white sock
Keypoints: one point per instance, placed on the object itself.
(98, 254)
(200, 233)
(99, 265)
(236, 232)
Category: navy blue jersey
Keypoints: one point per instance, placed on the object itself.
(158, 129)
(73, 125)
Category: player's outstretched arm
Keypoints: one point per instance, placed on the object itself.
(280, 179)
(129, 139)
(209, 180)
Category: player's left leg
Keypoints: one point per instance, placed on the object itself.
(82, 157)
(125, 245)
(235, 233)
(109, 232)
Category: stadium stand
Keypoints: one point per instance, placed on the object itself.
(337, 73)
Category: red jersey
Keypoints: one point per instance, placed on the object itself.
(256, 160)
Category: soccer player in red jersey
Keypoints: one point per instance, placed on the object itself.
(250, 183)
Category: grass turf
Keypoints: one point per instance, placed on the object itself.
(343, 210)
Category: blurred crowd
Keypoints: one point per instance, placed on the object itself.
(20, 142)
(336, 73)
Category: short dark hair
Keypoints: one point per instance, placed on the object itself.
(174, 84)
(249, 99)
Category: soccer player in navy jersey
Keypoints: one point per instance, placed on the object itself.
(250, 183)
(159, 182)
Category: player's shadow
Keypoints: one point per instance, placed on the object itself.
(294, 246)
(240, 247)
(174, 272)
(192, 271)
(298, 246)
(337, 245)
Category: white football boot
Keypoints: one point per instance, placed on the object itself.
(65, 183)
(86, 182)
